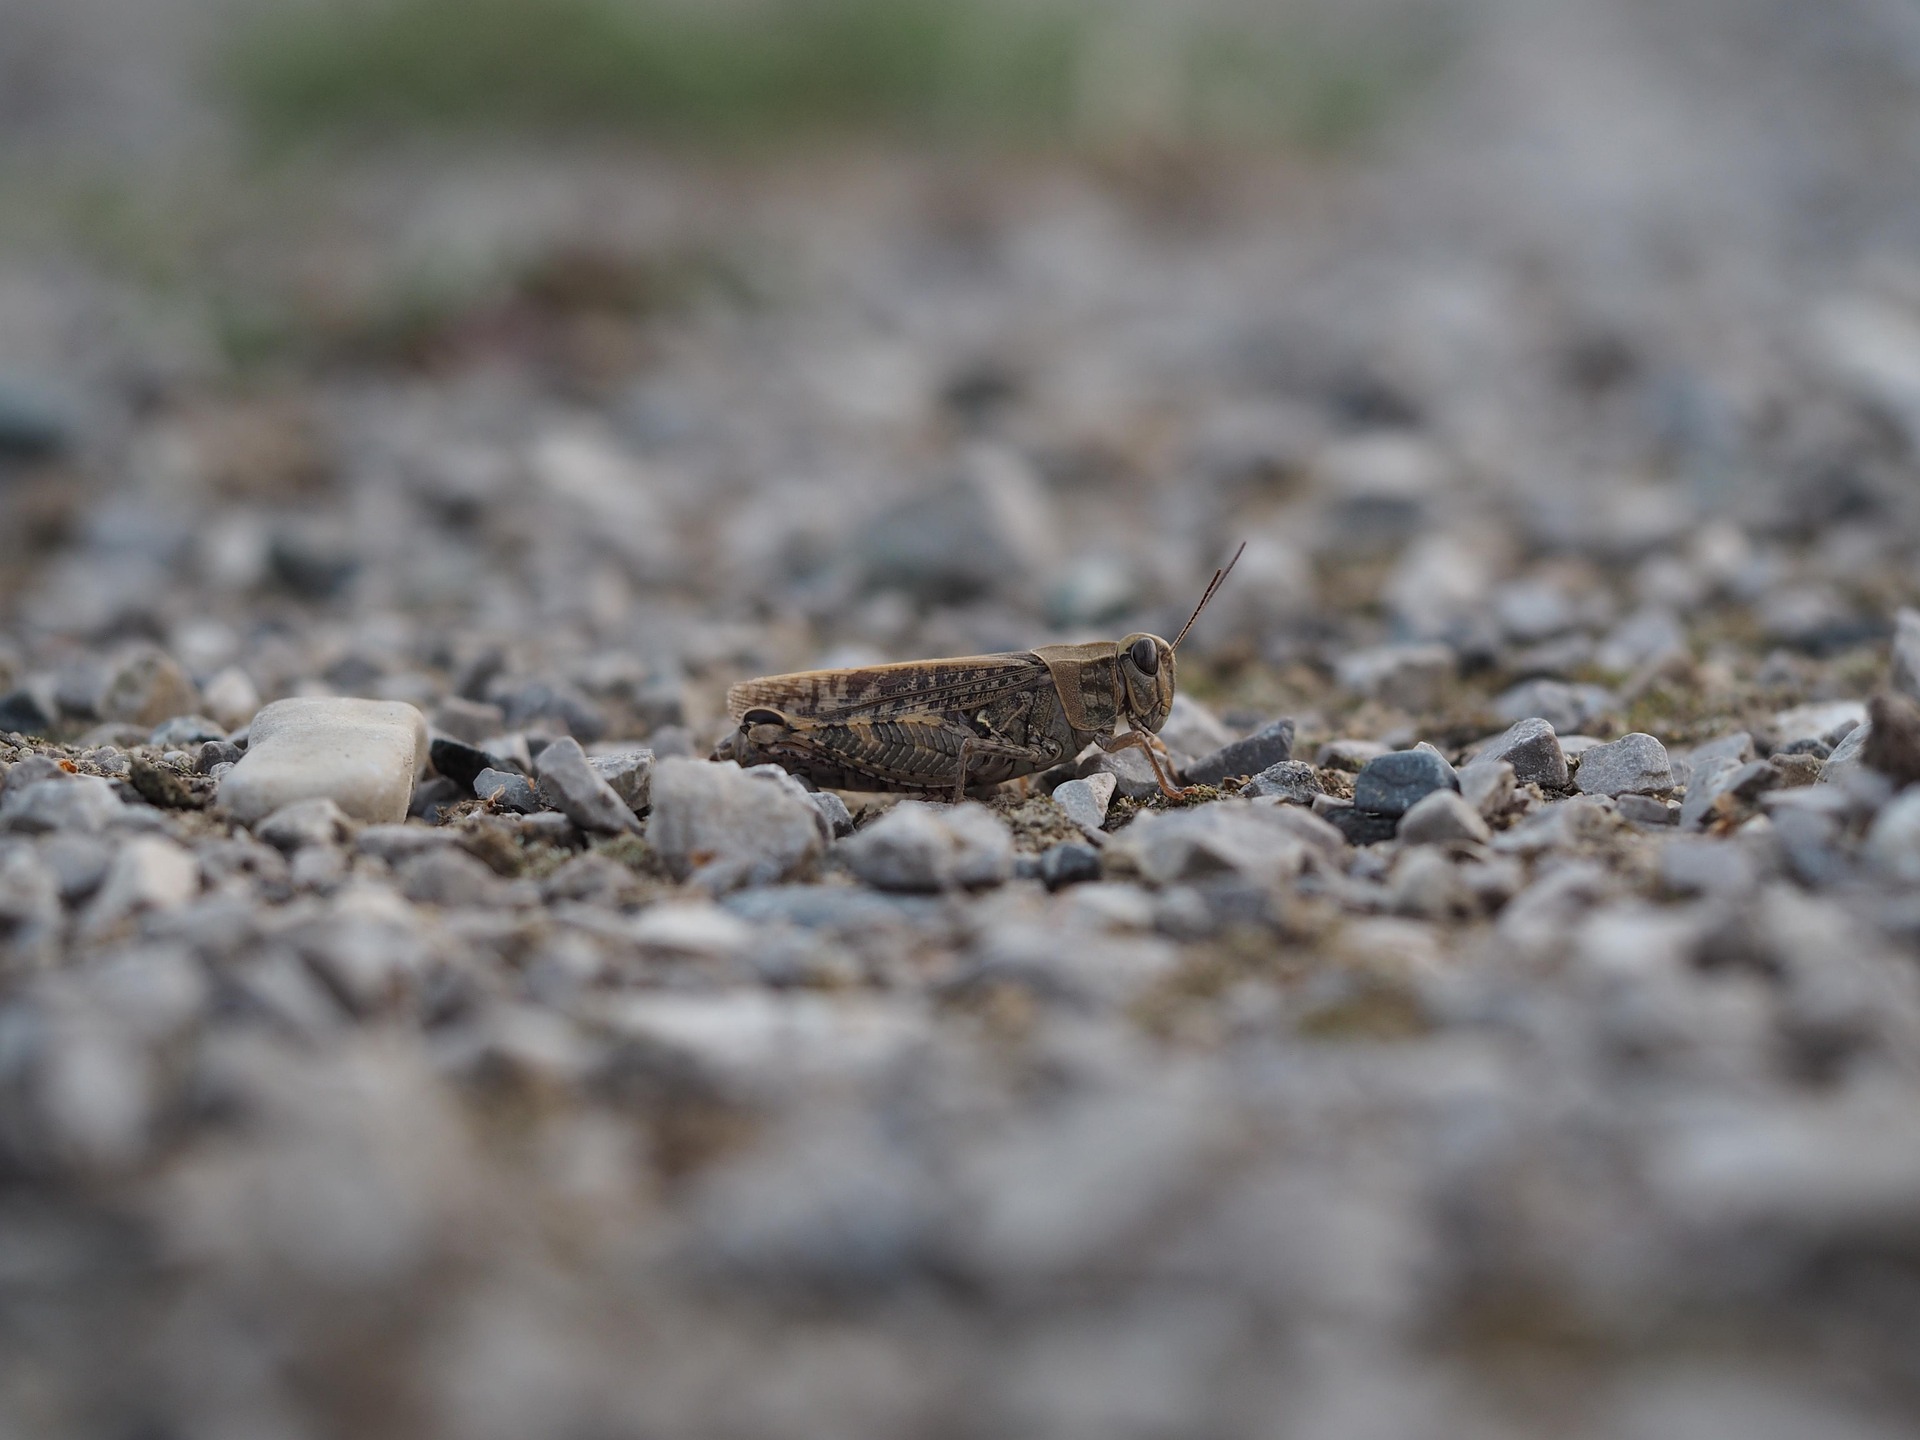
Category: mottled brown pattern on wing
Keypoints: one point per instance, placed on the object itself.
(914, 687)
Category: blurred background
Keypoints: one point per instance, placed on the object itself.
(586, 355)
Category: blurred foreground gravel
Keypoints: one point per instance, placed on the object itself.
(1522, 1039)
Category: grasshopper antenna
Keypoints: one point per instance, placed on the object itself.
(1212, 585)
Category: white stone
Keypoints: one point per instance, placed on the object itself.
(363, 755)
(231, 697)
(149, 873)
(1893, 844)
(1086, 801)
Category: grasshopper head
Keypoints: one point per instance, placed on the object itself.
(1146, 681)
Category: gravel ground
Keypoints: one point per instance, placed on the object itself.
(1517, 1033)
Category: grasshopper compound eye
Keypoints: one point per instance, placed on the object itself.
(1145, 655)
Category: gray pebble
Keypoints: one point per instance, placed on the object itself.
(1393, 784)
(1635, 764)
(1069, 863)
(1567, 707)
(917, 847)
(84, 804)
(505, 790)
(185, 732)
(724, 827)
(834, 811)
(1268, 746)
(1532, 748)
(571, 785)
(1442, 818)
(1487, 785)
(302, 824)
(1293, 780)
(629, 773)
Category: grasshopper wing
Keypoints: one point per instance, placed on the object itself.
(915, 687)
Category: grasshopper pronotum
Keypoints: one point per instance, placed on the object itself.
(976, 719)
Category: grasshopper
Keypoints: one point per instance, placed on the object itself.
(973, 720)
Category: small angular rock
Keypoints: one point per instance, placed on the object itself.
(569, 783)
(1293, 780)
(1635, 764)
(1394, 783)
(629, 773)
(1270, 745)
(1442, 818)
(1566, 707)
(145, 687)
(1086, 800)
(1069, 863)
(1532, 748)
(504, 790)
(918, 847)
(726, 828)
(302, 824)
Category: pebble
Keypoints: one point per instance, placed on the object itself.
(726, 828)
(1228, 836)
(1410, 677)
(1393, 784)
(231, 698)
(304, 823)
(628, 773)
(1268, 746)
(471, 721)
(1130, 771)
(1635, 764)
(1487, 785)
(28, 710)
(1348, 755)
(148, 873)
(972, 534)
(1069, 863)
(84, 804)
(78, 863)
(1086, 800)
(457, 761)
(1893, 842)
(569, 782)
(1293, 780)
(364, 755)
(1690, 866)
(1718, 778)
(1829, 721)
(834, 811)
(917, 847)
(1532, 748)
(1566, 707)
(1649, 810)
(1904, 667)
(186, 731)
(1442, 818)
(145, 687)
(1846, 757)
(504, 790)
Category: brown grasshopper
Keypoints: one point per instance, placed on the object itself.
(976, 719)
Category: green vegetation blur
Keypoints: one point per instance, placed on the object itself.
(1022, 72)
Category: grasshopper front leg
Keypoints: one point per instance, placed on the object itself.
(1141, 740)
